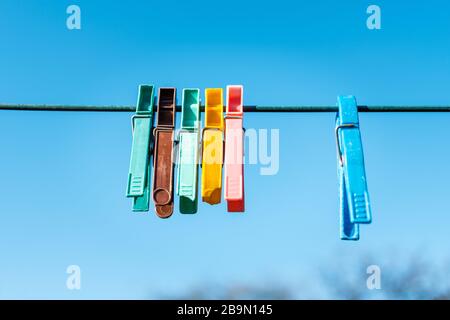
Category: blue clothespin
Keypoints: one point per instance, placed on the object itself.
(354, 203)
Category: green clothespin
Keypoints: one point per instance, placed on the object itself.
(188, 153)
(140, 164)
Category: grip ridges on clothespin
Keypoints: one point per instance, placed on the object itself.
(186, 191)
(361, 208)
(234, 183)
(136, 185)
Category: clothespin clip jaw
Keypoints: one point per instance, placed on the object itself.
(212, 147)
(234, 149)
(163, 153)
(354, 197)
(188, 152)
(140, 164)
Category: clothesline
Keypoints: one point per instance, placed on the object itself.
(220, 146)
(247, 108)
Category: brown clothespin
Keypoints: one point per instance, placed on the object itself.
(163, 156)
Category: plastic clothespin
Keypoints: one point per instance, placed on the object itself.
(234, 150)
(140, 164)
(188, 152)
(353, 195)
(163, 154)
(212, 149)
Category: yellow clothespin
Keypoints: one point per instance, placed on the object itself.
(212, 154)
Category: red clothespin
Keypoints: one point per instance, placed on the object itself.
(163, 156)
(234, 150)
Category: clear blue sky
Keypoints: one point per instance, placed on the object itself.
(63, 175)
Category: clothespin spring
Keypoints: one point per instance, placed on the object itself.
(338, 143)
